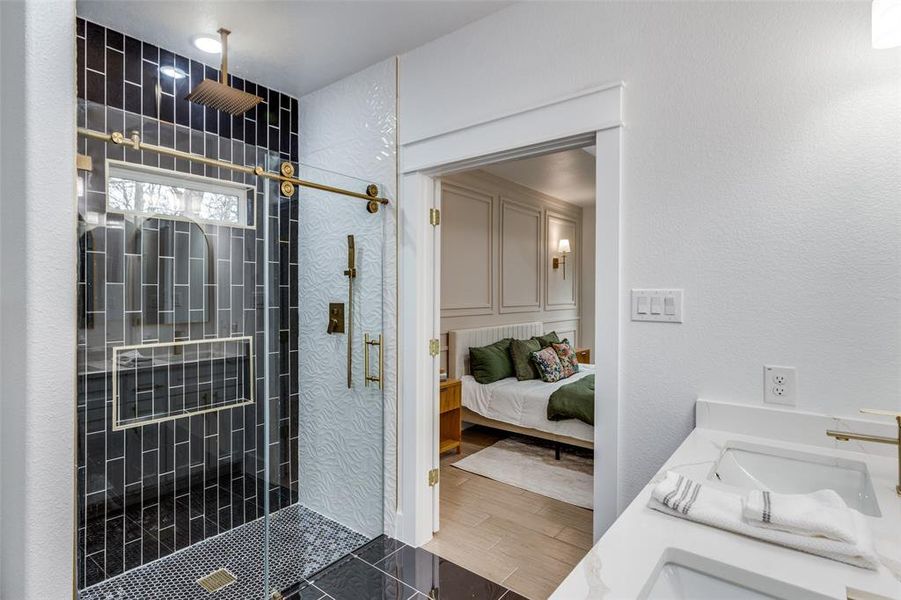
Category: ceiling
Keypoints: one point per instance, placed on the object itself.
(292, 46)
(567, 175)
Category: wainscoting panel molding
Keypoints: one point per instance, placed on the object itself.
(561, 293)
(521, 244)
(498, 240)
(468, 243)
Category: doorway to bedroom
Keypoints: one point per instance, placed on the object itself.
(516, 402)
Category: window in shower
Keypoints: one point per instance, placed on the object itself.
(139, 190)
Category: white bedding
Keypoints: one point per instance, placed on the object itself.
(524, 403)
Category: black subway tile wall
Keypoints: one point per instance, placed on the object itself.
(148, 490)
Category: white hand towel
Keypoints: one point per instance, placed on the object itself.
(680, 496)
(820, 514)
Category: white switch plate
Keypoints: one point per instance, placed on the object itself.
(780, 385)
(664, 306)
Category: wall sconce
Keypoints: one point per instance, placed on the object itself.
(564, 249)
(886, 23)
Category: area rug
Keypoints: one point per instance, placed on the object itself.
(533, 467)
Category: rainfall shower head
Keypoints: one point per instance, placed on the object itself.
(218, 94)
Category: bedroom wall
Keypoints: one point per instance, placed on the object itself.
(760, 174)
(497, 242)
(586, 293)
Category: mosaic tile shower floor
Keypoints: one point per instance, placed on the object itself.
(302, 542)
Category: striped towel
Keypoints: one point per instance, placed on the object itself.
(819, 514)
(682, 497)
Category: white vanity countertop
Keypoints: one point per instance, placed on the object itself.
(619, 565)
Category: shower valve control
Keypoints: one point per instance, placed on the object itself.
(335, 317)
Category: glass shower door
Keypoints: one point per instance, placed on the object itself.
(342, 373)
(177, 322)
(231, 364)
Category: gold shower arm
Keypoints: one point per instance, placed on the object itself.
(285, 176)
(223, 71)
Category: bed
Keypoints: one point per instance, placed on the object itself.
(512, 405)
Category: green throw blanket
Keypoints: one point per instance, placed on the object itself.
(573, 401)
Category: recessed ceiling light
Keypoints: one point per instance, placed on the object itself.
(208, 43)
(173, 72)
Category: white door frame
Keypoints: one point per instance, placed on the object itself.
(571, 121)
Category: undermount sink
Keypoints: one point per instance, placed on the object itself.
(752, 466)
(681, 575)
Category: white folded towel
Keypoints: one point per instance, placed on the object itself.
(680, 496)
(819, 514)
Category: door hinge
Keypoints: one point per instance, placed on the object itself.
(434, 476)
(434, 347)
(434, 217)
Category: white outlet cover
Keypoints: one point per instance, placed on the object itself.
(780, 385)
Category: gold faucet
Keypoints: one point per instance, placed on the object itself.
(844, 436)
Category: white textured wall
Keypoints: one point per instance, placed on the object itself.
(348, 437)
(37, 306)
(761, 172)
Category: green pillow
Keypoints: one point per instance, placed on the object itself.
(547, 339)
(491, 363)
(521, 353)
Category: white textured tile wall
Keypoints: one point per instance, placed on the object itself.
(348, 437)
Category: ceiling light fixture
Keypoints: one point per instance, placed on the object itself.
(207, 43)
(173, 72)
(886, 23)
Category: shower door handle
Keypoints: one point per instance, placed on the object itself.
(367, 342)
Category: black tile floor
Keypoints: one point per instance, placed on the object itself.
(386, 569)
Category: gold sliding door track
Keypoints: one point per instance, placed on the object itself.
(286, 176)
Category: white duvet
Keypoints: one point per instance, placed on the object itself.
(524, 403)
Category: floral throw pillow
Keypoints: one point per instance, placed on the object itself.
(567, 356)
(548, 364)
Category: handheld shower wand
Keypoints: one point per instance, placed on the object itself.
(351, 273)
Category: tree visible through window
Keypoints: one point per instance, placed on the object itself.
(134, 190)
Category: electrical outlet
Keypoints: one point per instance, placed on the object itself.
(780, 385)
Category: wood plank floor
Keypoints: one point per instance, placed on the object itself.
(524, 541)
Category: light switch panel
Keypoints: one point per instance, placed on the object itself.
(664, 306)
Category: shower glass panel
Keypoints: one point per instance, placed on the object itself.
(341, 417)
(185, 435)
(230, 369)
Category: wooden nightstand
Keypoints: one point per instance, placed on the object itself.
(449, 407)
(583, 355)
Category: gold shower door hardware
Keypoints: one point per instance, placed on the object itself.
(373, 201)
(351, 274)
(367, 342)
(83, 162)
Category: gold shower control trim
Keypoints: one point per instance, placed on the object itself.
(134, 141)
(367, 342)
